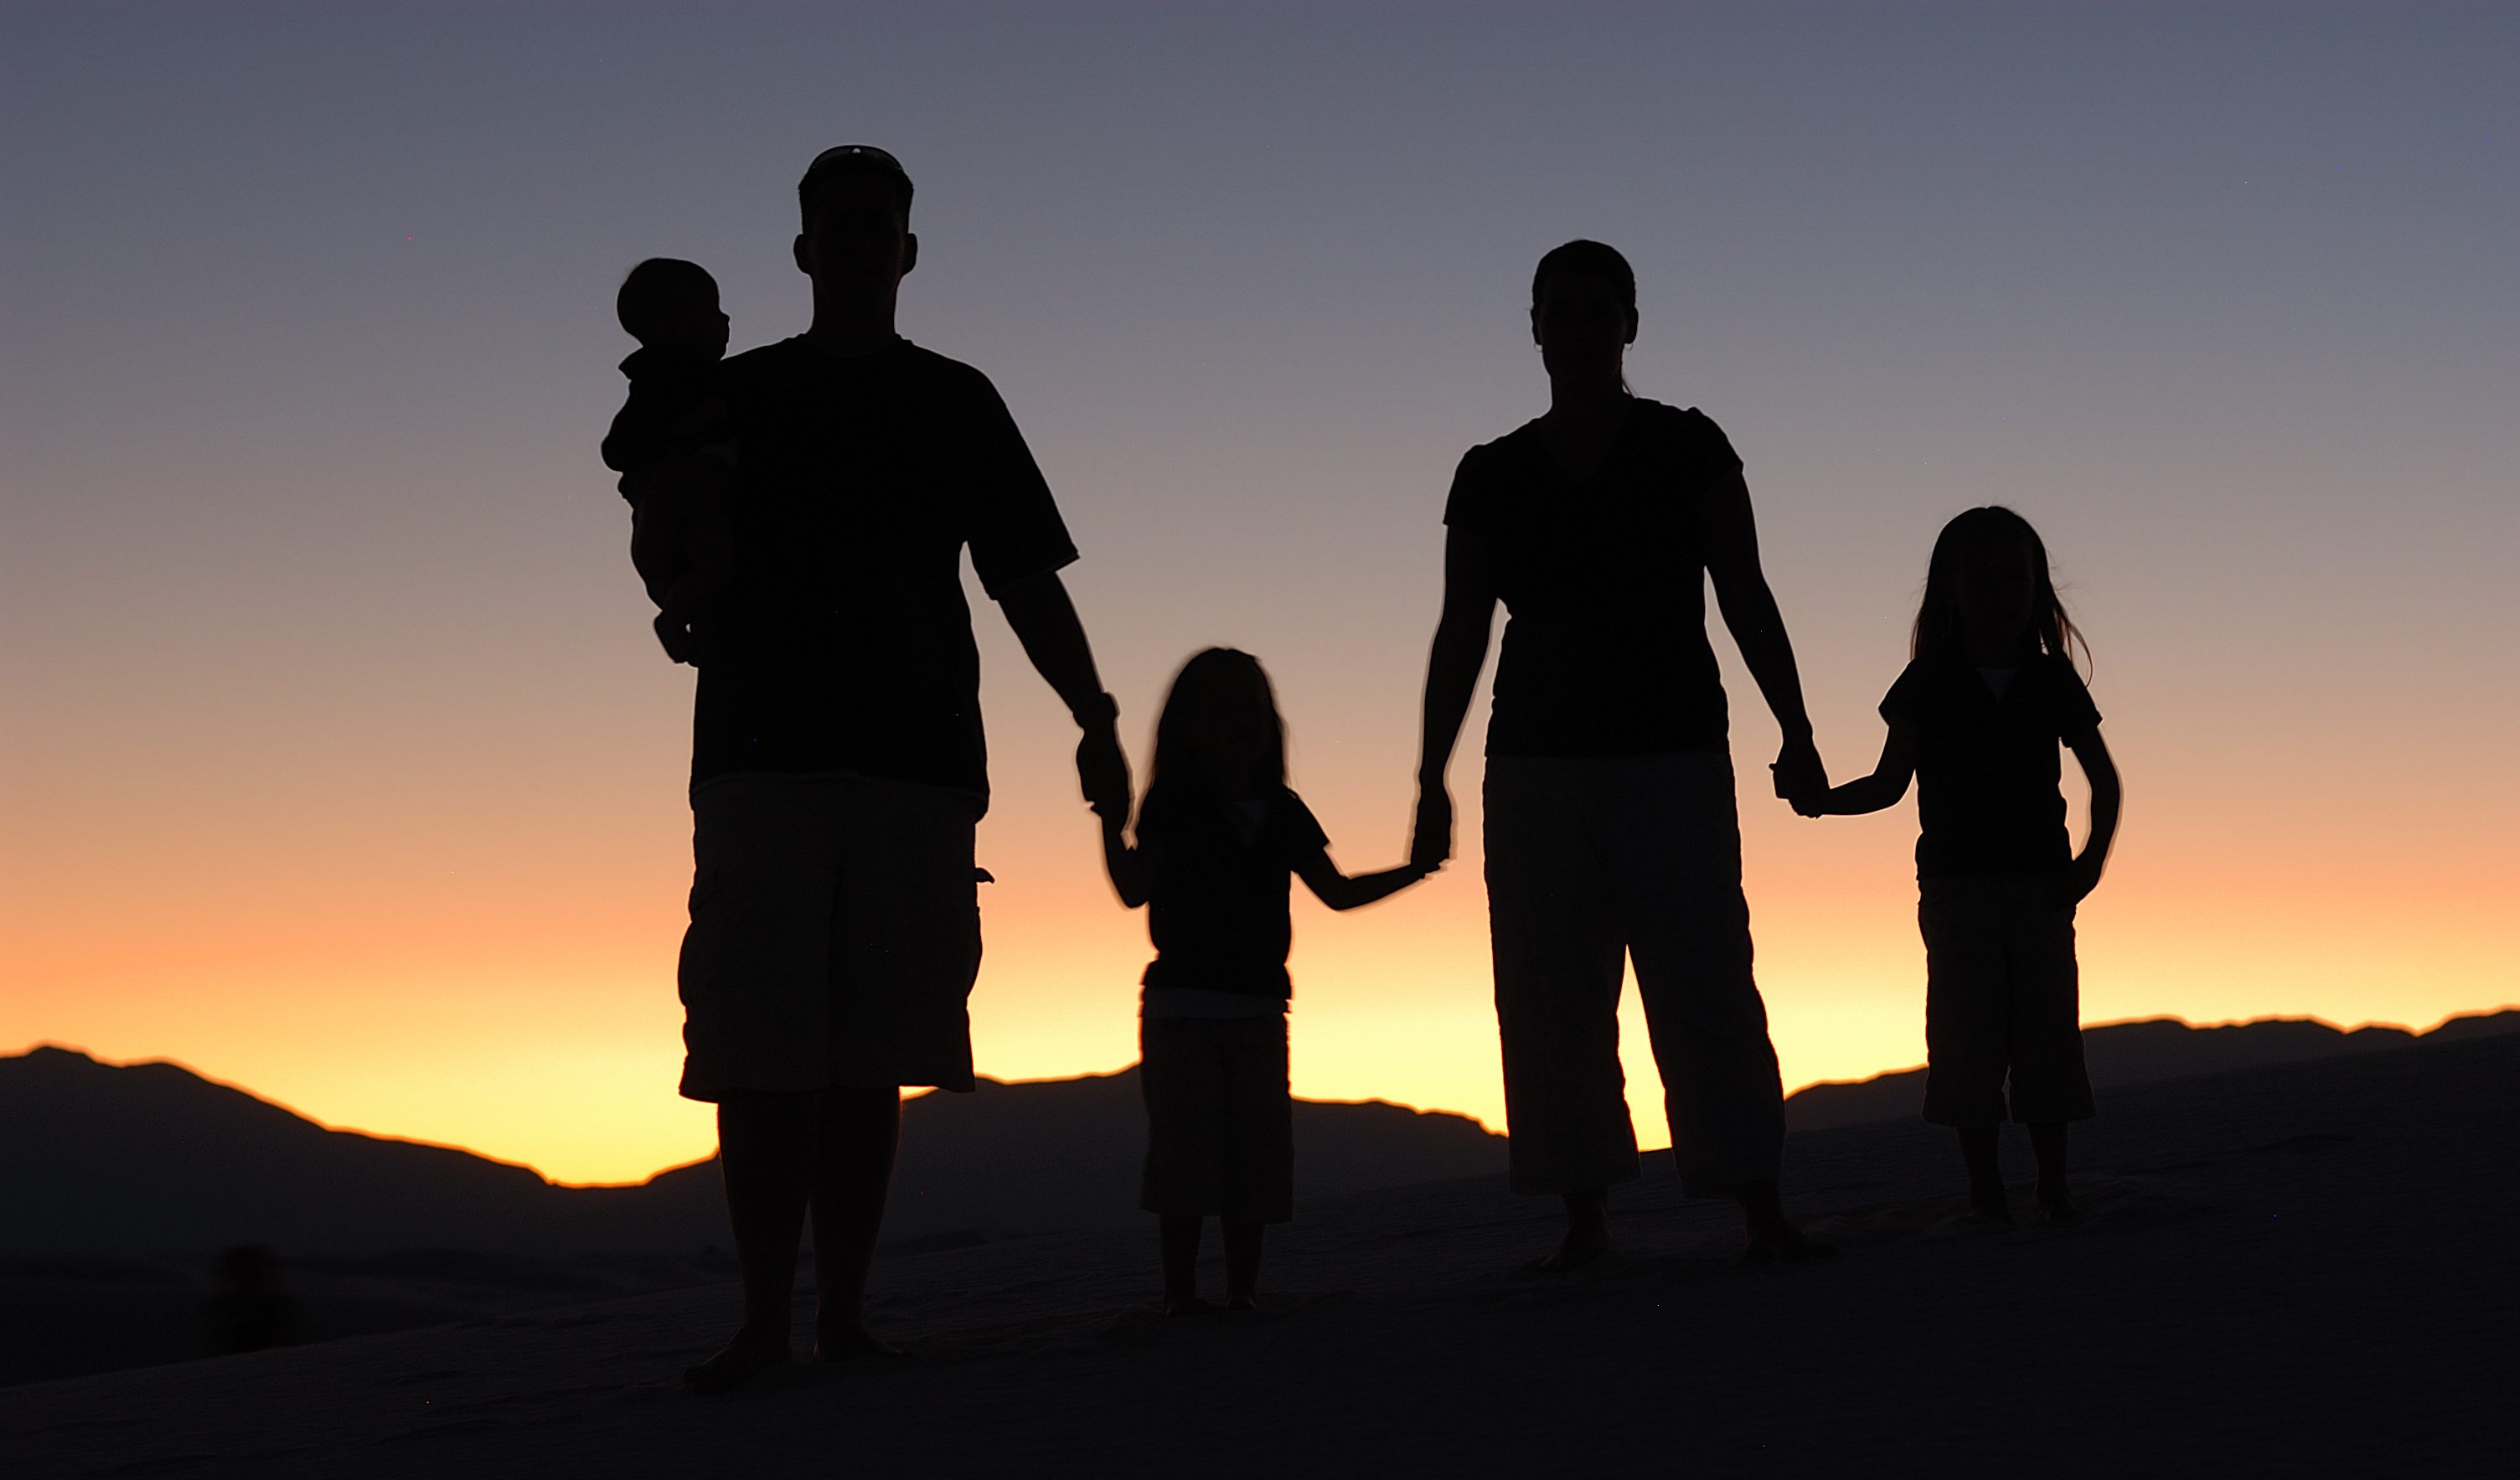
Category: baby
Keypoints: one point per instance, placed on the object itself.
(672, 443)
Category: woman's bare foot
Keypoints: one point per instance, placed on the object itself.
(1587, 1233)
(738, 1362)
(1183, 1305)
(1243, 1303)
(1991, 1204)
(845, 1343)
(2056, 1201)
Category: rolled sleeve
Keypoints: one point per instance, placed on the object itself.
(1015, 530)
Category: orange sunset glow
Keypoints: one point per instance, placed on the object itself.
(350, 774)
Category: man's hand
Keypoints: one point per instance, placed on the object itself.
(1800, 776)
(1430, 838)
(1102, 770)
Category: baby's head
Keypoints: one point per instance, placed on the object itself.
(667, 303)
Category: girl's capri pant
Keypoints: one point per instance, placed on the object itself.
(2001, 1001)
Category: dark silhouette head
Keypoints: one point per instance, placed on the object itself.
(854, 238)
(1989, 572)
(1583, 309)
(667, 301)
(846, 162)
(1219, 732)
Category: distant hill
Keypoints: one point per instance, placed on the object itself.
(2145, 1052)
(154, 1161)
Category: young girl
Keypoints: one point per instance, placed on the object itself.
(1976, 718)
(1218, 835)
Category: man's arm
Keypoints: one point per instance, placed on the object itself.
(1452, 663)
(1759, 630)
(1044, 622)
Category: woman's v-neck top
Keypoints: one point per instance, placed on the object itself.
(1603, 579)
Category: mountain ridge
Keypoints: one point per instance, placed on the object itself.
(152, 1160)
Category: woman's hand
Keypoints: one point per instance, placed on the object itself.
(1430, 838)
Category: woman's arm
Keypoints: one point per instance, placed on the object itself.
(1130, 868)
(1460, 650)
(2084, 875)
(1758, 629)
(1340, 892)
(1873, 794)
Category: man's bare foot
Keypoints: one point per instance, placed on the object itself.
(1183, 1305)
(736, 1363)
(1768, 1236)
(852, 1342)
(1587, 1233)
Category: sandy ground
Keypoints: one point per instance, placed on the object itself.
(2306, 1268)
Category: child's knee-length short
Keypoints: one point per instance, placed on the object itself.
(2002, 999)
(1220, 1124)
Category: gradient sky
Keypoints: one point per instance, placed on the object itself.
(347, 769)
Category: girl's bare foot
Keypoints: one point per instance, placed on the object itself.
(1587, 1233)
(738, 1362)
(2055, 1198)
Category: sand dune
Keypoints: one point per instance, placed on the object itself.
(2300, 1269)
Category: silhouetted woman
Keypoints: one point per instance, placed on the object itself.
(1610, 827)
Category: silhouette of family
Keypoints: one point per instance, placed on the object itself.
(799, 515)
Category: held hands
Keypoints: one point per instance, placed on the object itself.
(1800, 777)
(1103, 769)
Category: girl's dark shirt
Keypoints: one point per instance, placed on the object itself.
(1988, 768)
(1603, 580)
(1217, 905)
(845, 644)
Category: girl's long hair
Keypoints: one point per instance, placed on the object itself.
(1971, 533)
(1177, 767)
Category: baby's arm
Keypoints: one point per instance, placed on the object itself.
(2084, 875)
(1872, 793)
(1130, 868)
(1340, 892)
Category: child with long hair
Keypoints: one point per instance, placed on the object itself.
(1217, 836)
(1987, 694)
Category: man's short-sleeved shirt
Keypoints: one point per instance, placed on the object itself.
(1603, 580)
(1988, 766)
(1217, 908)
(845, 642)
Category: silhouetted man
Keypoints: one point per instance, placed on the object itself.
(837, 766)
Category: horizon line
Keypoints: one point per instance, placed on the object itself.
(923, 1092)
